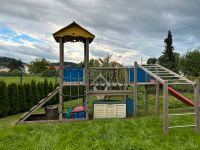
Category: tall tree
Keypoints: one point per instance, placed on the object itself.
(168, 59)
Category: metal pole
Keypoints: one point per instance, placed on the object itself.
(196, 108)
(61, 78)
(157, 97)
(21, 73)
(135, 89)
(165, 107)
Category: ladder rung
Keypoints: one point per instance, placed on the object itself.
(182, 114)
(174, 83)
(182, 126)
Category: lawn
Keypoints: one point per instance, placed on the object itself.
(27, 79)
(141, 133)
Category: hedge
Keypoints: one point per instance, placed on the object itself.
(17, 98)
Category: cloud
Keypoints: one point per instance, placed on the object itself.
(127, 29)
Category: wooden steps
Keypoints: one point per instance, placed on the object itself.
(38, 105)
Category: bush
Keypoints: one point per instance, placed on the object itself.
(4, 103)
(13, 99)
(49, 73)
(22, 98)
(15, 72)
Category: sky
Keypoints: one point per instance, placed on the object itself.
(127, 29)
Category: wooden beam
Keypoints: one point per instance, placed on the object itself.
(146, 94)
(111, 92)
(165, 107)
(61, 101)
(196, 98)
(157, 97)
(135, 89)
(86, 62)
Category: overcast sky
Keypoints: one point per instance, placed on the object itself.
(128, 29)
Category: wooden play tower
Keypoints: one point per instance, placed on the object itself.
(115, 81)
(73, 33)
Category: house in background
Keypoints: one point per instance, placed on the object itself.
(53, 68)
(4, 69)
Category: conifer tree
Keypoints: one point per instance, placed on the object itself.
(4, 103)
(13, 98)
(46, 87)
(22, 98)
(29, 96)
(35, 93)
(169, 57)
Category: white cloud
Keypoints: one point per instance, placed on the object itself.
(127, 29)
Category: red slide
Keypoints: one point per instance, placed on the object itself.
(178, 95)
(181, 97)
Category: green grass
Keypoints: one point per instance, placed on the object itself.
(141, 133)
(27, 79)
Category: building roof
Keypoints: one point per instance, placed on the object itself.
(73, 33)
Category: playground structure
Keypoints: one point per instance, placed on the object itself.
(104, 82)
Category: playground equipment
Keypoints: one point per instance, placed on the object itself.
(105, 82)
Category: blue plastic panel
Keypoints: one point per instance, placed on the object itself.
(129, 106)
(73, 75)
(140, 75)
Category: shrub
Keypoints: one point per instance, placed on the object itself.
(4, 103)
(49, 73)
(13, 98)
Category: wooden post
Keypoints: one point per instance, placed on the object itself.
(196, 98)
(165, 107)
(61, 102)
(135, 89)
(86, 62)
(145, 94)
(157, 97)
(126, 81)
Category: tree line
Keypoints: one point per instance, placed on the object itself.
(17, 98)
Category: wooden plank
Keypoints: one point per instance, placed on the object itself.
(165, 107)
(196, 98)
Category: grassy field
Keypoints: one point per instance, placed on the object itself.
(27, 79)
(141, 133)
